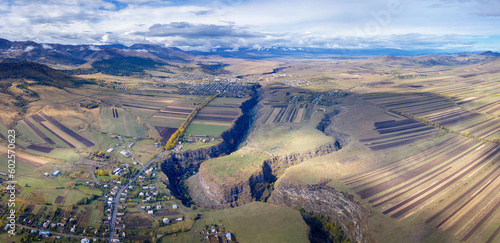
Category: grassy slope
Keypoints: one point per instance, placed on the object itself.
(236, 166)
(357, 120)
(260, 222)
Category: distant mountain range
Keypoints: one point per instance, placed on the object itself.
(123, 60)
(11, 51)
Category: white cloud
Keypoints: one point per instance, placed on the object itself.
(29, 48)
(251, 23)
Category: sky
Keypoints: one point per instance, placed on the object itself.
(447, 25)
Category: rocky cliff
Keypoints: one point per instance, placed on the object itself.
(207, 192)
(320, 198)
(179, 166)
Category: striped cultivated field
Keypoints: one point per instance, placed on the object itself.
(485, 105)
(68, 131)
(286, 114)
(394, 133)
(442, 112)
(452, 186)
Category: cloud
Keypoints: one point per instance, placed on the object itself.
(186, 29)
(233, 24)
(203, 12)
(484, 8)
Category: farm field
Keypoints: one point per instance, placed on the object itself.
(413, 140)
(445, 185)
(122, 122)
(442, 112)
(206, 129)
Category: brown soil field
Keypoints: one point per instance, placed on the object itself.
(84, 222)
(137, 220)
(59, 200)
(25, 158)
(68, 131)
(40, 148)
(142, 238)
(273, 115)
(65, 137)
(298, 118)
(165, 133)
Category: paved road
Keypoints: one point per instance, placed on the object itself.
(118, 195)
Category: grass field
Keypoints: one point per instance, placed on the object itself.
(21, 168)
(28, 134)
(65, 154)
(208, 130)
(126, 124)
(237, 166)
(259, 222)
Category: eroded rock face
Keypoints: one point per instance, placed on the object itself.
(325, 200)
(208, 193)
(179, 166)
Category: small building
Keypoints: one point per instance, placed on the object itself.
(56, 173)
(85, 240)
(166, 220)
(110, 150)
(46, 174)
(150, 212)
(131, 145)
(179, 219)
(174, 206)
(228, 236)
(125, 153)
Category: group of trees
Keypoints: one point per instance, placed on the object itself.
(174, 139)
(101, 172)
(324, 228)
(90, 104)
(124, 66)
(43, 74)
